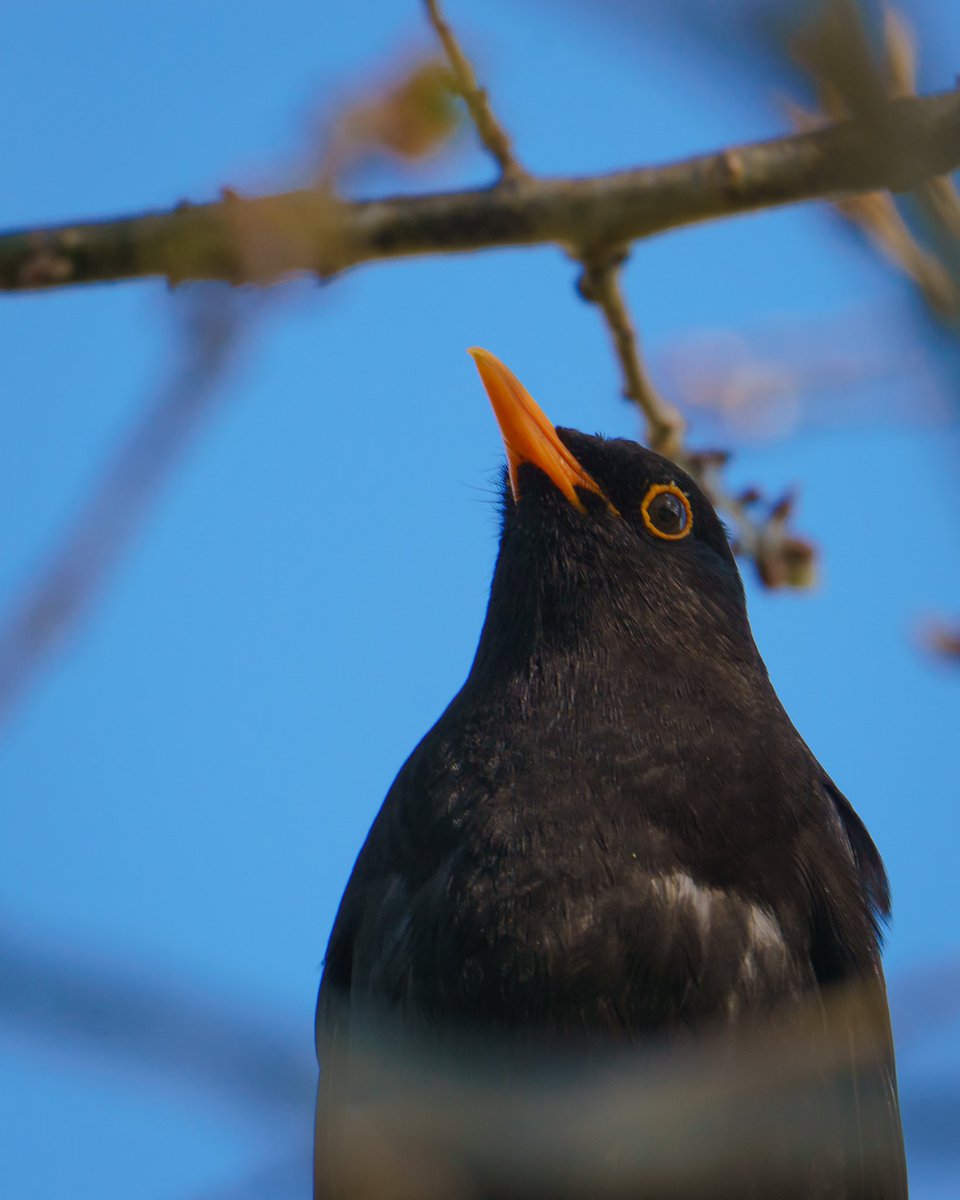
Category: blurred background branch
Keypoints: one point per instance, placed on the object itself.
(62, 591)
(147, 1025)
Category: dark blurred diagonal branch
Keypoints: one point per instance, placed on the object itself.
(409, 118)
(897, 147)
(147, 1024)
(37, 621)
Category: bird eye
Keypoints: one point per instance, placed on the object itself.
(666, 512)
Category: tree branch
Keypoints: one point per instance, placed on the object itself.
(259, 240)
(600, 284)
(491, 132)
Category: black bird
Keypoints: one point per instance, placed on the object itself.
(615, 837)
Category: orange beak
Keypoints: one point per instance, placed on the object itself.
(526, 431)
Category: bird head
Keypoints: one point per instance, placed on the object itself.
(605, 543)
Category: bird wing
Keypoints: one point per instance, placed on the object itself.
(846, 961)
(331, 1042)
(342, 1015)
(669, 926)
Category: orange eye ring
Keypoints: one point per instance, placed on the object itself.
(666, 489)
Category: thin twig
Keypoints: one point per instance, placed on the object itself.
(600, 284)
(491, 131)
(908, 141)
(781, 558)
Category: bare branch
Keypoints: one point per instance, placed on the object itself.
(600, 284)
(761, 529)
(781, 558)
(897, 147)
(492, 133)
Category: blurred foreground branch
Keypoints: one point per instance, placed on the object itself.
(713, 1117)
(558, 1116)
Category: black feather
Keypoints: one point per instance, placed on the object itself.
(615, 835)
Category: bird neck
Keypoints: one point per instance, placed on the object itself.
(613, 634)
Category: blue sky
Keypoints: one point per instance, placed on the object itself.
(188, 780)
